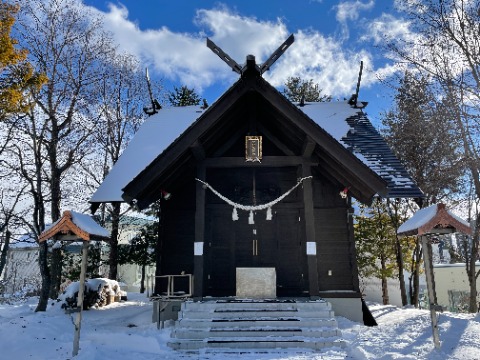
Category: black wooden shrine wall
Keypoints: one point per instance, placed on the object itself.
(280, 243)
(336, 256)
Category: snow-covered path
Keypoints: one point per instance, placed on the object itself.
(124, 331)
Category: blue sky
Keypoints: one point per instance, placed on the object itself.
(331, 38)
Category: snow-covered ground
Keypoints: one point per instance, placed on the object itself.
(123, 331)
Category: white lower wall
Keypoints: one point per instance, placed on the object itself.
(371, 289)
(350, 308)
(452, 277)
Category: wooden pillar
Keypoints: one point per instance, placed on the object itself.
(81, 289)
(353, 250)
(431, 289)
(198, 258)
(311, 247)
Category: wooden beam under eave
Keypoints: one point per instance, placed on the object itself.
(64, 226)
(343, 158)
(357, 188)
(230, 141)
(198, 151)
(275, 140)
(267, 161)
(210, 118)
(308, 147)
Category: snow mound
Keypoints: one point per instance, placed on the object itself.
(98, 292)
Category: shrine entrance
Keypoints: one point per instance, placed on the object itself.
(276, 243)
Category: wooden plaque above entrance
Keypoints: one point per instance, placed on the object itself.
(253, 148)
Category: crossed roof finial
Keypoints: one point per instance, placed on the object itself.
(241, 69)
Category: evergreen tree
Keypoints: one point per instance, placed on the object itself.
(16, 74)
(183, 96)
(296, 89)
(375, 242)
(421, 134)
(447, 51)
(141, 250)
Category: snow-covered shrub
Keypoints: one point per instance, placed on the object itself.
(30, 288)
(98, 292)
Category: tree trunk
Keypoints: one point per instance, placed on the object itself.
(385, 297)
(113, 256)
(398, 250)
(472, 270)
(3, 257)
(142, 281)
(44, 271)
(401, 276)
(56, 259)
(415, 277)
(472, 304)
(56, 272)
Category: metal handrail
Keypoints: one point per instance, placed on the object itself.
(171, 285)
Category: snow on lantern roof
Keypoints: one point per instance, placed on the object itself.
(72, 223)
(433, 217)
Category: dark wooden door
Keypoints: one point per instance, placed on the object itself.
(292, 268)
(256, 244)
(277, 243)
(220, 238)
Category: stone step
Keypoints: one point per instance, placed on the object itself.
(255, 313)
(254, 332)
(251, 322)
(277, 353)
(285, 305)
(258, 343)
(245, 324)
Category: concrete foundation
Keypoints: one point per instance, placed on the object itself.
(350, 308)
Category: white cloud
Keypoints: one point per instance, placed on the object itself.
(386, 28)
(169, 53)
(322, 59)
(350, 11)
(185, 58)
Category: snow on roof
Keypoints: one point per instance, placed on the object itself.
(153, 137)
(331, 116)
(346, 124)
(81, 225)
(351, 127)
(421, 217)
(418, 222)
(86, 223)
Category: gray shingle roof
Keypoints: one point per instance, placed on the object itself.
(352, 128)
(368, 145)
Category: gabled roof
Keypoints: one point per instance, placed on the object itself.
(80, 225)
(153, 137)
(367, 168)
(351, 127)
(432, 219)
